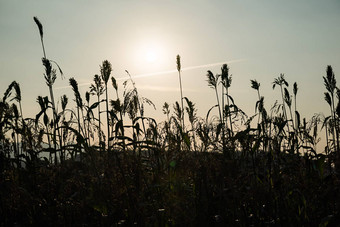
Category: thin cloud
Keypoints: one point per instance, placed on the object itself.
(162, 88)
(165, 72)
(213, 64)
(79, 85)
(184, 69)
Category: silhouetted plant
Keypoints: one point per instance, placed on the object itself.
(119, 108)
(50, 77)
(261, 111)
(226, 82)
(64, 102)
(280, 81)
(213, 82)
(41, 32)
(105, 71)
(98, 89)
(79, 107)
(192, 116)
(133, 100)
(21, 144)
(330, 84)
(44, 106)
(178, 62)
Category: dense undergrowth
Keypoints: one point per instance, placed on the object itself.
(104, 163)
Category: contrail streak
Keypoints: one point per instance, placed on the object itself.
(165, 72)
(162, 88)
(183, 69)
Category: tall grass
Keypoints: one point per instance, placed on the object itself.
(98, 89)
(105, 71)
(178, 62)
(50, 77)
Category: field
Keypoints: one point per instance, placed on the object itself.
(102, 162)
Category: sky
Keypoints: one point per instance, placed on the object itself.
(258, 39)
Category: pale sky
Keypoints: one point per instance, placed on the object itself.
(259, 39)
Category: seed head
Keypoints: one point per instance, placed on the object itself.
(36, 20)
(178, 61)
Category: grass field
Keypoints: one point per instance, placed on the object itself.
(101, 162)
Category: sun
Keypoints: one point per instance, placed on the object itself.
(151, 56)
(151, 52)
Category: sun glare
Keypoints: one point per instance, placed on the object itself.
(150, 52)
(151, 56)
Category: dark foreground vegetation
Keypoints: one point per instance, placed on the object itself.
(104, 163)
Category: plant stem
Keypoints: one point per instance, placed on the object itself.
(180, 85)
